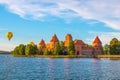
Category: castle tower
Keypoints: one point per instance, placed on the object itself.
(53, 41)
(68, 38)
(42, 43)
(54, 38)
(97, 44)
(41, 46)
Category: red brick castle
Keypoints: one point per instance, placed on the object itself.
(81, 48)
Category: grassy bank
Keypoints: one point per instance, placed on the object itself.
(54, 56)
(48, 56)
(108, 56)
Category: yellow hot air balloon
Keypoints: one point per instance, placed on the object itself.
(32, 43)
(9, 35)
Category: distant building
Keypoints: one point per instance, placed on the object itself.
(81, 49)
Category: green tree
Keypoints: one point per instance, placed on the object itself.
(62, 51)
(41, 49)
(31, 50)
(57, 49)
(22, 49)
(28, 50)
(71, 48)
(35, 49)
(16, 51)
(118, 48)
(106, 49)
(114, 46)
(47, 52)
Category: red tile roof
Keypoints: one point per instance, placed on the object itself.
(42, 42)
(54, 38)
(80, 42)
(97, 40)
(68, 37)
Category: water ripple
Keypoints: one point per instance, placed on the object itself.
(22, 68)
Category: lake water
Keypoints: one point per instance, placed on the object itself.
(23, 68)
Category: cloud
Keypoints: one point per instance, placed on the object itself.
(105, 36)
(7, 47)
(107, 11)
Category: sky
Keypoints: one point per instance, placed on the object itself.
(33, 20)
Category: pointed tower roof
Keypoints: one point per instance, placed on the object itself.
(97, 40)
(54, 38)
(42, 43)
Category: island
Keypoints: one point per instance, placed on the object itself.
(68, 48)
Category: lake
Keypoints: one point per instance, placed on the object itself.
(23, 68)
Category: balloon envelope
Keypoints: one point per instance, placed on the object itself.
(9, 35)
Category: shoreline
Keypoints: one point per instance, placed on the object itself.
(53, 56)
(69, 56)
(108, 56)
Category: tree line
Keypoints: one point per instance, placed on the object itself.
(59, 49)
(113, 47)
(25, 50)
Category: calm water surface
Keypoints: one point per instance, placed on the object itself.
(22, 68)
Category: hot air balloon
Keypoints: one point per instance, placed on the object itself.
(9, 35)
(32, 43)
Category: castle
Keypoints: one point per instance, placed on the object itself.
(81, 49)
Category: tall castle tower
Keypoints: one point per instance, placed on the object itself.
(53, 41)
(68, 38)
(97, 45)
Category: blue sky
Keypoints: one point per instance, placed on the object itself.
(33, 20)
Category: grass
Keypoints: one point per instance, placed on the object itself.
(53, 56)
(48, 56)
(108, 56)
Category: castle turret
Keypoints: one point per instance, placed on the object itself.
(42, 43)
(97, 44)
(54, 38)
(68, 38)
(97, 41)
(53, 41)
(41, 46)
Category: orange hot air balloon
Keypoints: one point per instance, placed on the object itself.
(9, 35)
(32, 43)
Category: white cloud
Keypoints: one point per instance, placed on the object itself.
(105, 37)
(106, 11)
(7, 47)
